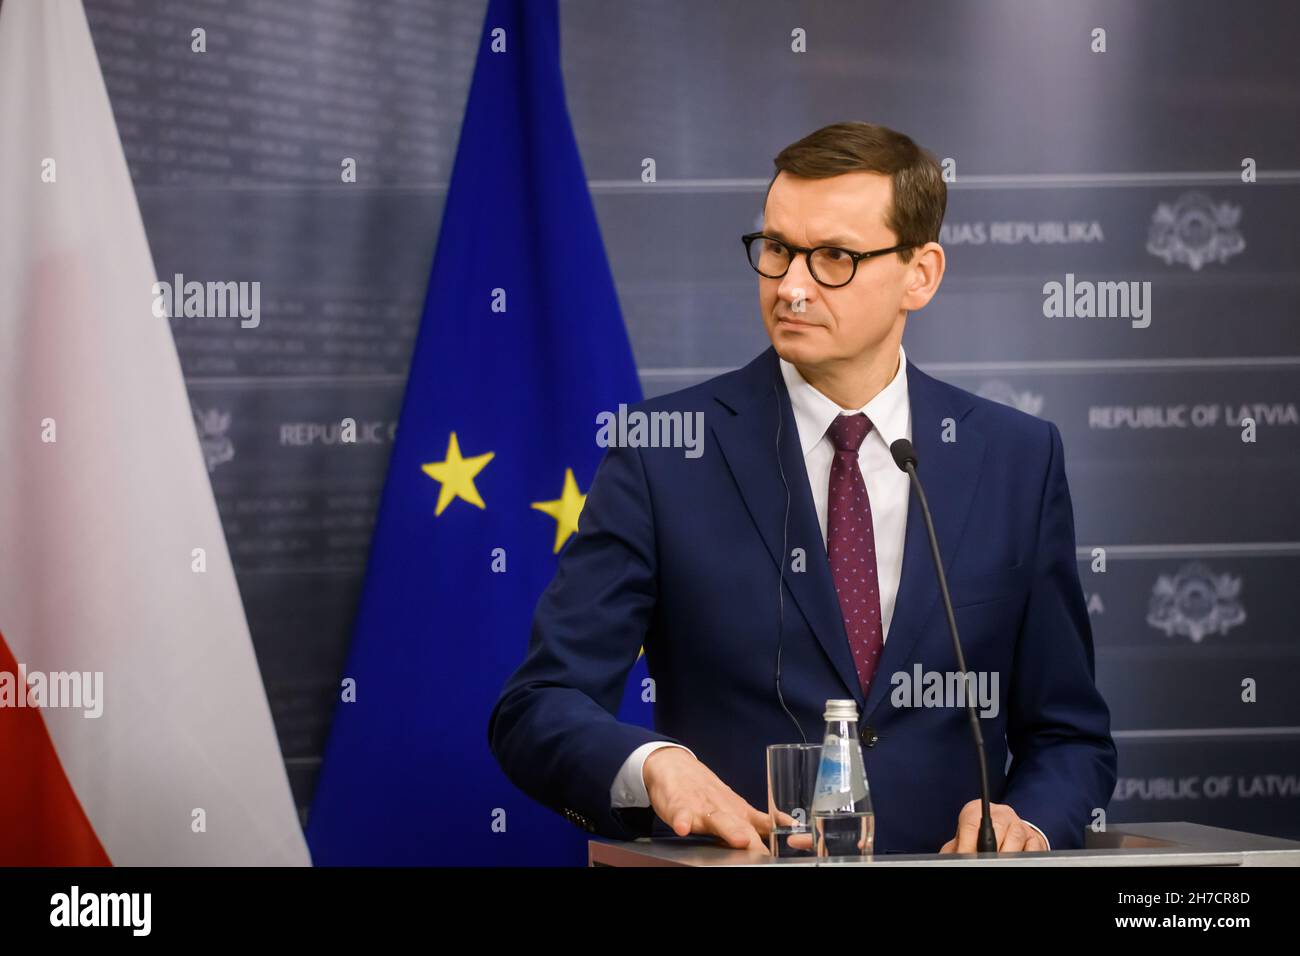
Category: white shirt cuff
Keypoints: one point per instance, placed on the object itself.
(628, 789)
(1040, 832)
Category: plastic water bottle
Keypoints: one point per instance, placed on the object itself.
(843, 823)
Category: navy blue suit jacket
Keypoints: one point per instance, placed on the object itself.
(681, 555)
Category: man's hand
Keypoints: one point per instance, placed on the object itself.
(1013, 833)
(690, 798)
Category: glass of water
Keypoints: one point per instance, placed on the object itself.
(791, 780)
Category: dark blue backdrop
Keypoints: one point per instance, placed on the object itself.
(1116, 165)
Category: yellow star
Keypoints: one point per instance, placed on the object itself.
(456, 474)
(564, 509)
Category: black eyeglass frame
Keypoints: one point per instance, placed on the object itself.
(807, 252)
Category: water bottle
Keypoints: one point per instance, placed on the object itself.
(843, 824)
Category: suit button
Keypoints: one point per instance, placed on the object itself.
(869, 737)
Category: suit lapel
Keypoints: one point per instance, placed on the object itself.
(950, 471)
(748, 440)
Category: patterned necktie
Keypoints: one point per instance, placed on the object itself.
(851, 545)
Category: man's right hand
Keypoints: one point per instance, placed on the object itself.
(690, 798)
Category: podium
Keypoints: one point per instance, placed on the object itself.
(1135, 844)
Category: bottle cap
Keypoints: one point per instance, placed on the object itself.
(841, 710)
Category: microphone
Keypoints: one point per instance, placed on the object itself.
(905, 459)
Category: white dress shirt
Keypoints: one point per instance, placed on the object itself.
(888, 488)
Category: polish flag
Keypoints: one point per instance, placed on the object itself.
(113, 565)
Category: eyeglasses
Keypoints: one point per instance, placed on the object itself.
(829, 266)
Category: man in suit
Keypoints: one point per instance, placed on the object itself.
(794, 536)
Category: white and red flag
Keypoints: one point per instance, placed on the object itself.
(134, 726)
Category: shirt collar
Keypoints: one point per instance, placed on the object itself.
(814, 412)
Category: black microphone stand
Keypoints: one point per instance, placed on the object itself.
(905, 458)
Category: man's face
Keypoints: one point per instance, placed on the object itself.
(835, 325)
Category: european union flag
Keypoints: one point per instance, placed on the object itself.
(521, 344)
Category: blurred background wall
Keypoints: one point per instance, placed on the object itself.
(1122, 165)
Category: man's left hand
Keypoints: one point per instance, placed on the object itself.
(1014, 834)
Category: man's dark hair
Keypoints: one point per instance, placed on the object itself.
(919, 194)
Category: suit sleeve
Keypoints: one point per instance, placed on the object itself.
(1058, 728)
(554, 730)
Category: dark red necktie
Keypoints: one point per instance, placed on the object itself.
(851, 546)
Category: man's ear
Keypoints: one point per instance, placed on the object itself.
(925, 272)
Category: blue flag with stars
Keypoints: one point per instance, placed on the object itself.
(521, 344)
